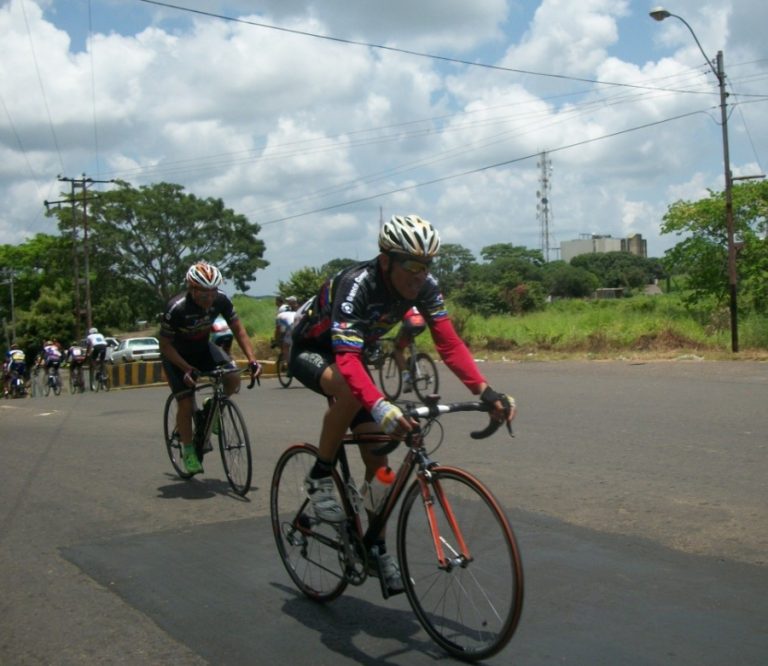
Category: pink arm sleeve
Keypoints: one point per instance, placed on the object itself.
(351, 367)
(455, 354)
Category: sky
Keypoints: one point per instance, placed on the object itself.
(318, 119)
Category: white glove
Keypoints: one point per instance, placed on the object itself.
(386, 415)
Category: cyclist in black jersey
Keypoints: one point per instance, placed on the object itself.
(186, 348)
(352, 310)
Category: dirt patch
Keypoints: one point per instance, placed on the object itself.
(666, 340)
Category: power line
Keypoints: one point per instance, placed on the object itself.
(394, 49)
(477, 170)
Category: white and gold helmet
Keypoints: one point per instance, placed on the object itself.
(409, 234)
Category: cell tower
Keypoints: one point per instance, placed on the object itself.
(543, 205)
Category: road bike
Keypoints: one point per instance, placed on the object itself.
(460, 563)
(281, 366)
(99, 377)
(423, 371)
(53, 381)
(220, 417)
(16, 387)
(76, 381)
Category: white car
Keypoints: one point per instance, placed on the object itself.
(137, 349)
(111, 344)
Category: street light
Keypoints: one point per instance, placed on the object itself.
(659, 14)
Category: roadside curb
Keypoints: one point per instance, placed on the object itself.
(150, 373)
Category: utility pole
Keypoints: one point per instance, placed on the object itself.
(8, 272)
(82, 183)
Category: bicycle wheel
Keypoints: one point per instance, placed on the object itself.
(57, 385)
(106, 378)
(72, 381)
(470, 606)
(47, 385)
(309, 548)
(235, 447)
(390, 377)
(424, 375)
(282, 371)
(172, 440)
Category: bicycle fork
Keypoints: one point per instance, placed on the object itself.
(448, 556)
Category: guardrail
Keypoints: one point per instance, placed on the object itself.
(148, 373)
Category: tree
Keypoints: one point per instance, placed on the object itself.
(335, 265)
(303, 283)
(566, 281)
(702, 254)
(154, 233)
(619, 269)
(451, 266)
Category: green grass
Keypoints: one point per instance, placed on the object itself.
(641, 325)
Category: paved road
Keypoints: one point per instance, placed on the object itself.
(637, 492)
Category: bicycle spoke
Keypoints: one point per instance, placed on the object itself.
(235, 447)
(470, 605)
(308, 548)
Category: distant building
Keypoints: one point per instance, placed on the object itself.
(596, 243)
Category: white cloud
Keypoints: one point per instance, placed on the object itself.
(280, 124)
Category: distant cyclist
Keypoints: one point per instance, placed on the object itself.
(286, 315)
(75, 355)
(51, 356)
(15, 364)
(187, 350)
(221, 334)
(413, 325)
(96, 346)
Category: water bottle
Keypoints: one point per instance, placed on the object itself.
(375, 491)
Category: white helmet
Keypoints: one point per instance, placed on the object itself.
(204, 275)
(91, 331)
(411, 235)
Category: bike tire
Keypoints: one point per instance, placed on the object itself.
(283, 375)
(107, 379)
(304, 542)
(390, 377)
(172, 441)
(424, 376)
(57, 385)
(47, 386)
(235, 447)
(471, 609)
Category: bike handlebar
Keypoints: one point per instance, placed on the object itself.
(433, 409)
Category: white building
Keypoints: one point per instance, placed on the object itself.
(592, 244)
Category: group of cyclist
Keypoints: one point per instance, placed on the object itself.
(52, 356)
(328, 335)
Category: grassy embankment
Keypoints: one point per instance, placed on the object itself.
(642, 326)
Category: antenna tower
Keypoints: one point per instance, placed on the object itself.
(543, 207)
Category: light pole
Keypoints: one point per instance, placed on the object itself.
(659, 14)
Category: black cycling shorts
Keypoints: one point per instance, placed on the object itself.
(206, 360)
(308, 364)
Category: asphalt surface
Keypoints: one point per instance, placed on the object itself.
(637, 492)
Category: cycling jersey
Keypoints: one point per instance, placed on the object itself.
(51, 354)
(188, 325)
(15, 361)
(76, 354)
(96, 341)
(358, 306)
(221, 333)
